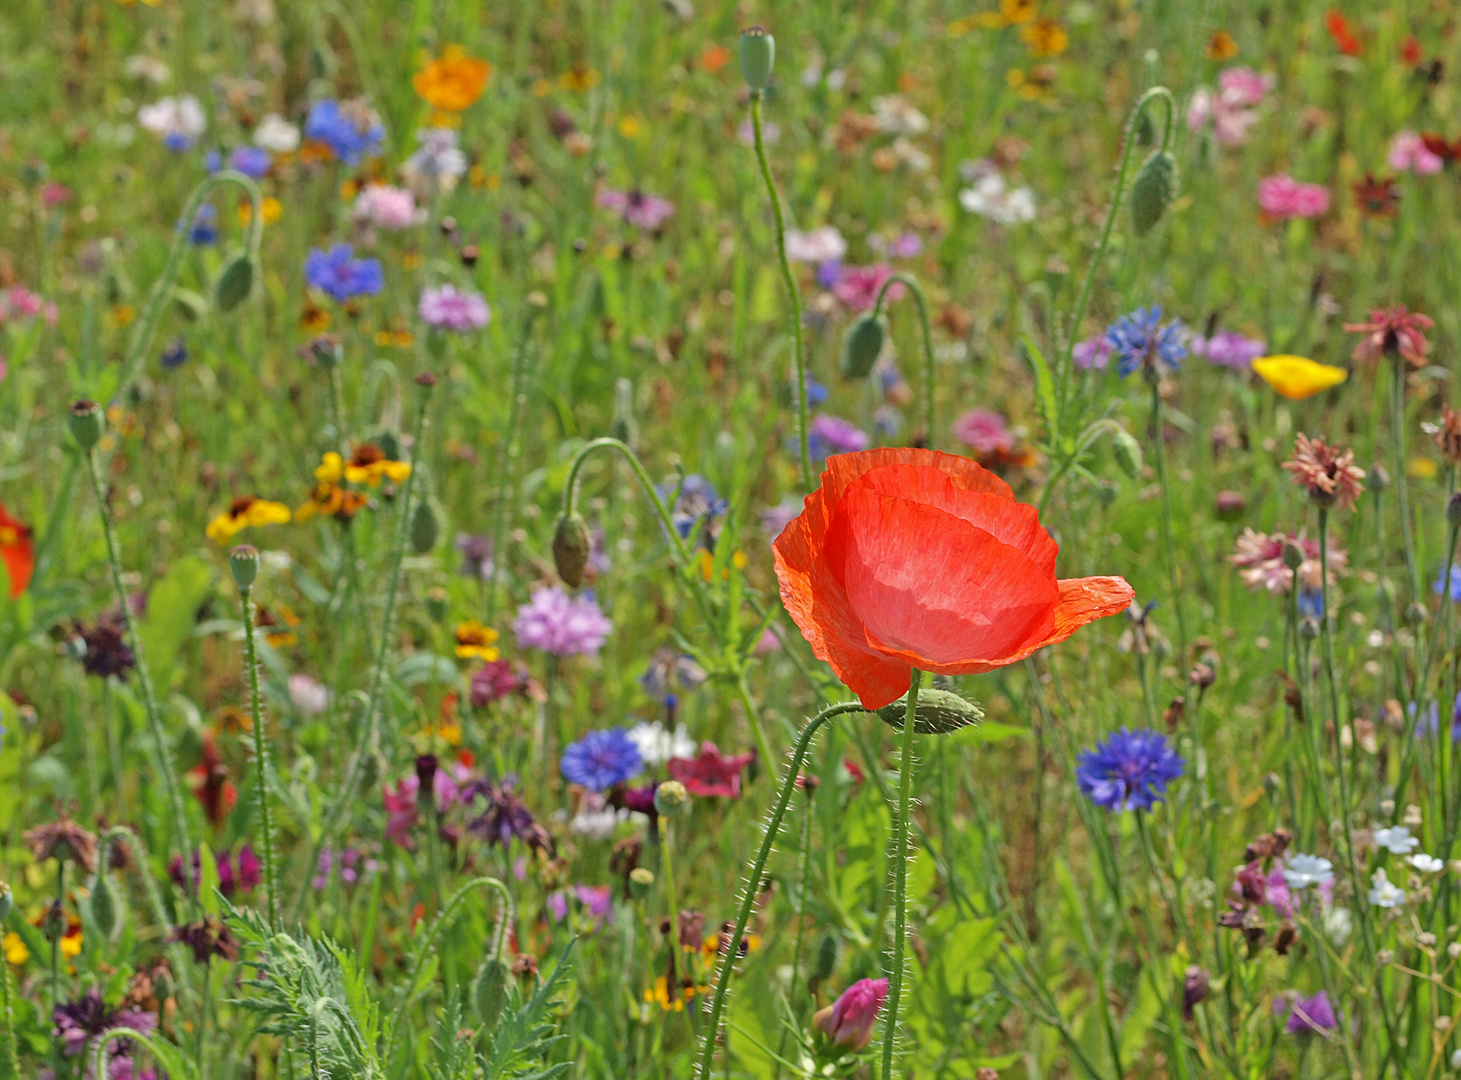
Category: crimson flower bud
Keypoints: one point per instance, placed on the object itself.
(848, 1022)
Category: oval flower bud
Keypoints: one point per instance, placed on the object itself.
(862, 347)
(425, 528)
(104, 902)
(234, 283)
(939, 713)
(87, 422)
(571, 548)
(243, 563)
(489, 991)
(758, 57)
(1128, 452)
(847, 1024)
(1153, 191)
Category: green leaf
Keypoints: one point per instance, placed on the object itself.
(989, 732)
(1139, 1020)
(208, 880)
(172, 606)
(1044, 387)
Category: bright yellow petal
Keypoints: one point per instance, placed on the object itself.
(1298, 377)
(222, 528)
(396, 470)
(331, 468)
(263, 512)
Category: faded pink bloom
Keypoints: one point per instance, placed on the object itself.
(1283, 197)
(1259, 559)
(848, 1022)
(386, 207)
(447, 309)
(1392, 331)
(1409, 153)
(858, 286)
(642, 210)
(1232, 109)
(1241, 87)
(984, 432)
(1328, 474)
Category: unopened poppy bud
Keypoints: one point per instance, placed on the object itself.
(571, 546)
(234, 283)
(426, 766)
(87, 422)
(825, 961)
(188, 304)
(1453, 510)
(670, 798)
(489, 991)
(1377, 479)
(7, 900)
(437, 603)
(425, 528)
(1128, 452)
(641, 880)
(1145, 132)
(939, 712)
(53, 923)
(848, 1022)
(758, 57)
(104, 903)
(243, 564)
(1152, 191)
(862, 347)
(1293, 555)
(1415, 614)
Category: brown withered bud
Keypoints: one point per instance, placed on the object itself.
(1174, 712)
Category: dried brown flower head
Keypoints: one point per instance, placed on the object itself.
(1328, 474)
(64, 840)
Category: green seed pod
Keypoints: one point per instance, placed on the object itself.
(641, 880)
(243, 563)
(862, 347)
(104, 903)
(1146, 131)
(758, 57)
(670, 798)
(824, 964)
(1293, 555)
(489, 991)
(234, 283)
(570, 548)
(425, 528)
(53, 923)
(1153, 191)
(87, 422)
(939, 713)
(1128, 452)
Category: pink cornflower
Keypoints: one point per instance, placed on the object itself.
(1409, 153)
(848, 1022)
(1283, 197)
(1093, 352)
(386, 207)
(984, 432)
(447, 309)
(561, 624)
(858, 286)
(1232, 109)
(1392, 331)
(1328, 474)
(642, 210)
(1259, 560)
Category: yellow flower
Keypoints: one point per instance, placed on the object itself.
(1297, 377)
(660, 994)
(369, 463)
(474, 639)
(452, 82)
(273, 210)
(1221, 46)
(245, 512)
(630, 127)
(1045, 38)
(15, 950)
(1422, 468)
(331, 469)
(122, 315)
(579, 78)
(71, 941)
(1017, 11)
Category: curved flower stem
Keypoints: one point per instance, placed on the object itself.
(793, 293)
(507, 458)
(758, 868)
(900, 876)
(377, 678)
(144, 677)
(261, 761)
(913, 286)
(1160, 453)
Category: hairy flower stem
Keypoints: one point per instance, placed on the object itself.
(144, 677)
(377, 678)
(928, 382)
(900, 877)
(1159, 452)
(9, 1065)
(507, 458)
(803, 876)
(261, 761)
(753, 881)
(1397, 435)
(793, 293)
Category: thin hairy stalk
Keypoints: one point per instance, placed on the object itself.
(507, 458)
(803, 877)
(144, 677)
(753, 882)
(793, 293)
(928, 385)
(900, 877)
(1397, 436)
(261, 761)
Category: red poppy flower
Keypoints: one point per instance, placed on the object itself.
(908, 559)
(210, 783)
(710, 773)
(16, 551)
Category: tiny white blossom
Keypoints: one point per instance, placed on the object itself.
(1426, 864)
(993, 198)
(657, 745)
(1396, 840)
(896, 115)
(1384, 892)
(1305, 870)
(276, 134)
(179, 118)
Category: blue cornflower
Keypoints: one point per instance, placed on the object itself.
(1129, 771)
(253, 161)
(816, 392)
(1311, 603)
(204, 230)
(601, 759)
(339, 275)
(1429, 723)
(1139, 340)
(698, 501)
(174, 354)
(1439, 585)
(351, 130)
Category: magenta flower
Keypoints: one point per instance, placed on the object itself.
(710, 774)
(984, 432)
(1232, 109)
(642, 210)
(561, 624)
(1308, 1015)
(1283, 197)
(858, 286)
(1409, 153)
(848, 1022)
(447, 309)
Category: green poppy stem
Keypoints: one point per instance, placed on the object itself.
(900, 877)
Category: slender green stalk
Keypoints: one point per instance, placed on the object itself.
(753, 882)
(667, 862)
(261, 761)
(793, 293)
(507, 458)
(9, 1064)
(56, 939)
(900, 877)
(803, 877)
(1159, 452)
(928, 383)
(1397, 436)
(144, 677)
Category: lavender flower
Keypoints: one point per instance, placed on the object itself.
(1094, 352)
(1129, 771)
(437, 164)
(1311, 1014)
(253, 161)
(601, 759)
(341, 276)
(642, 210)
(1230, 349)
(561, 624)
(447, 309)
(1138, 340)
(78, 1022)
(832, 435)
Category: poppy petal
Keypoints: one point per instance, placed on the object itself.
(932, 587)
(20, 562)
(843, 469)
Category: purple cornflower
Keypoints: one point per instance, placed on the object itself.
(642, 210)
(506, 816)
(1310, 1014)
(351, 129)
(341, 276)
(1129, 771)
(561, 624)
(601, 759)
(1230, 349)
(832, 435)
(447, 309)
(253, 161)
(78, 1022)
(1139, 340)
(476, 552)
(1094, 352)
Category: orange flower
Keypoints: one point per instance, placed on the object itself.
(17, 552)
(1220, 46)
(452, 82)
(715, 58)
(908, 559)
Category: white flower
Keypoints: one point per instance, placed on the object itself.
(657, 745)
(1396, 840)
(310, 696)
(1384, 892)
(818, 246)
(1456, 1059)
(991, 197)
(1338, 925)
(598, 824)
(911, 155)
(1426, 864)
(437, 165)
(148, 69)
(179, 118)
(1305, 870)
(276, 135)
(895, 115)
